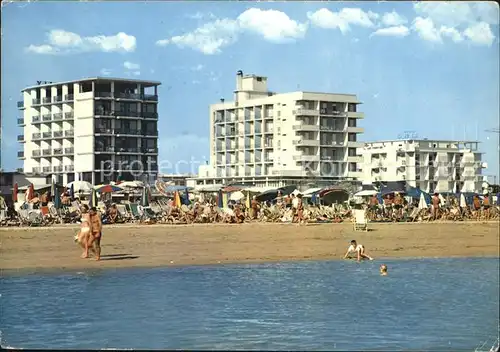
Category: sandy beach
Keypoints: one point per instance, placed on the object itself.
(41, 249)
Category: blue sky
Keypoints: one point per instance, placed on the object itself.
(428, 67)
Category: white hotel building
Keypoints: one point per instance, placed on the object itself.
(94, 129)
(431, 165)
(271, 139)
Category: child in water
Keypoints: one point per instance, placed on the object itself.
(383, 270)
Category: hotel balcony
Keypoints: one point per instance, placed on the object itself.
(306, 142)
(127, 150)
(57, 151)
(69, 168)
(47, 117)
(36, 102)
(57, 116)
(57, 168)
(338, 128)
(69, 133)
(69, 97)
(20, 104)
(127, 96)
(46, 100)
(355, 130)
(46, 169)
(150, 115)
(305, 112)
(305, 157)
(20, 138)
(47, 152)
(150, 97)
(305, 127)
(150, 150)
(37, 170)
(58, 134)
(68, 115)
(36, 153)
(20, 122)
(105, 95)
(20, 155)
(57, 99)
(356, 115)
(36, 119)
(107, 150)
(69, 150)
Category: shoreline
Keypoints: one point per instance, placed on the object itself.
(52, 249)
(97, 269)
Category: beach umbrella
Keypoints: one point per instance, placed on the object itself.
(145, 198)
(72, 192)
(219, 199)
(225, 199)
(236, 196)
(177, 199)
(80, 186)
(422, 204)
(247, 202)
(14, 192)
(30, 192)
(93, 199)
(463, 202)
(107, 188)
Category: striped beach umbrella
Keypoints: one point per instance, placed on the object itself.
(93, 199)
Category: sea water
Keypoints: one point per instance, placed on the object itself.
(424, 304)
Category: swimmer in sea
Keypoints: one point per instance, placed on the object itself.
(359, 249)
(383, 270)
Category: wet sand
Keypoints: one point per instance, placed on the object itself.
(125, 246)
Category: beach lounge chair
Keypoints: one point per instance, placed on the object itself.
(123, 214)
(134, 210)
(360, 221)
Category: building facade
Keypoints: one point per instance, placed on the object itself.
(96, 130)
(269, 139)
(431, 165)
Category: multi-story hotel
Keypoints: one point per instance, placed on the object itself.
(265, 138)
(431, 165)
(95, 130)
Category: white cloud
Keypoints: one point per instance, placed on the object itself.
(343, 19)
(63, 42)
(105, 72)
(480, 33)
(426, 30)
(273, 25)
(395, 31)
(451, 33)
(210, 38)
(393, 19)
(198, 67)
(131, 66)
(201, 15)
(459, 21)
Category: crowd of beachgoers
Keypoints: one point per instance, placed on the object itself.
(282, 209)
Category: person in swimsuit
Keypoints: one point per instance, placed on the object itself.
(359, 249)
(383, 270)
(95, 237)
(486, 206)
(82, 237)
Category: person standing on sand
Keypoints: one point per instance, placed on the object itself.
(95, 237)
(255, 208)
(435, 206)
(85, 232)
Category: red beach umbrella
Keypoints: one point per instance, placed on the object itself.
(14, 192)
